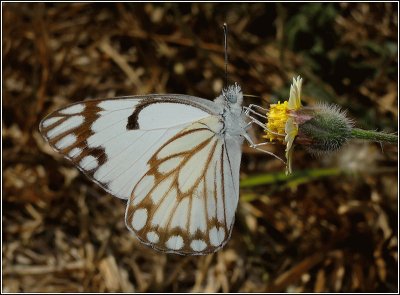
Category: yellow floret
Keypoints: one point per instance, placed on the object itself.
(277, 118)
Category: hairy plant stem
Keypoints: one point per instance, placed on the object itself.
(374, 135)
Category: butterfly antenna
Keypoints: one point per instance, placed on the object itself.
(225, 27)
(251, 95)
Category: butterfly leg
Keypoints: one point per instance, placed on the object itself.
(251, 113)
(257, 122)
(249, 109)
(254, 120)
(257, 147)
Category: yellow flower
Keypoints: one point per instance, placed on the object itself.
(281, 126)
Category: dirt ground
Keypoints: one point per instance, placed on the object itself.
(330, 227)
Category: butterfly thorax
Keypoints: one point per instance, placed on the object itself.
(231, 99)
(234, 122)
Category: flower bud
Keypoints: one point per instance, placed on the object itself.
(322, 128)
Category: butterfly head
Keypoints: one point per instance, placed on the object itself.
(231, 96)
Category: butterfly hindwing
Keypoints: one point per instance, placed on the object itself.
(185, 203)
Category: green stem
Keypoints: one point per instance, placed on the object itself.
(374, 135)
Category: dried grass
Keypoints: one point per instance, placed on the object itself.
(63, 234)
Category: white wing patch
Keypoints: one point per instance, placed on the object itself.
(143, 188)
(170, 164)
(66, 141)
(181, 214)
(50, 121)
(186, 177)
(139, 219)
(126, 154)
(216, 236)
(175, 243)
(74, 152)
(89, 162)
(118, 104)
(181, 144)
(187, 202)
(153, 237)
(74, 109)
(198, 220)
(151, 117)
(198, 245)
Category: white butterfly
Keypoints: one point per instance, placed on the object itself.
(176, 158)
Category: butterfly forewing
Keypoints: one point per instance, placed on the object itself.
(181, 204)
(112, 140)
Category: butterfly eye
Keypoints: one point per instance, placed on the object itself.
(231, 97)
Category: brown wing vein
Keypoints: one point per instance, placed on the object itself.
(196, 184)
(223, 182)
(175, 182)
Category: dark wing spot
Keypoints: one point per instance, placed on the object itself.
(133, 120)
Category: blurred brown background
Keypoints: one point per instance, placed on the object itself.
(331, 226)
